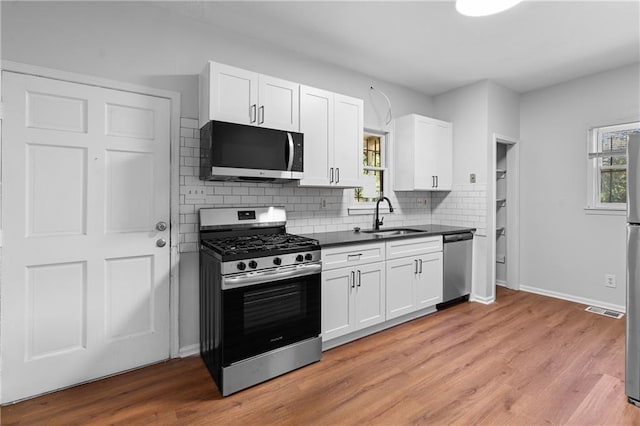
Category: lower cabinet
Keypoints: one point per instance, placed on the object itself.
(413, 283)
(352, 299)
(368, 284)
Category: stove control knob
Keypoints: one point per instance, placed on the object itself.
(253, 264)
(299, 258)
(308, 256)
(242, 266)
(277, 261)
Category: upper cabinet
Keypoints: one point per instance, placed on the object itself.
(332, 125)
(245, 97)
(423, 159)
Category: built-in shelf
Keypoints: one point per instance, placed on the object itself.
(501, 259)
(500, 231)
(500, 173)
(501, 202)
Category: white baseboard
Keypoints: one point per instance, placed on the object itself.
(483, 300)
(186, 351)
(572, 298)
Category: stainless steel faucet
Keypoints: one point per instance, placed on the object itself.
(378, 222)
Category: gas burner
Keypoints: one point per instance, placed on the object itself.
(257, 243)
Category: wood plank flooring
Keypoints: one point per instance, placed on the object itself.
(526, 359)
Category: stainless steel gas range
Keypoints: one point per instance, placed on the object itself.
(259, 296)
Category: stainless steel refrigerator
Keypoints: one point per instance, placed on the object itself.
(632, 375)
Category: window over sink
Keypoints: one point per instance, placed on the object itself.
(374, 168)
(607, 168)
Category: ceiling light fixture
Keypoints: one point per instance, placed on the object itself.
(484, 7)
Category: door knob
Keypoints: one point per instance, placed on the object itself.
(161, 226)
(161, 242)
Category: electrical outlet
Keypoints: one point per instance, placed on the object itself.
(472, 178)
(610, 280)
(323, 203)
(194, 193)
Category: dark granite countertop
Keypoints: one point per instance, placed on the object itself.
(329, 239)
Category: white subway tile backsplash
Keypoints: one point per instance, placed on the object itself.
(465, 205)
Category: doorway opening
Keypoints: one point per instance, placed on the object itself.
(505, 214)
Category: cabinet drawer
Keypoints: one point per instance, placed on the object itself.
(413, 246)
(340, 257)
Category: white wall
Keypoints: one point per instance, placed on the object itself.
(144, 44)
(564, 250)
(478, 111)
(467, 108)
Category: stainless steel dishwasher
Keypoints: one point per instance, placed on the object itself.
(458, 249)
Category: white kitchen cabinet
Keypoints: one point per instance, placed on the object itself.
(414, 275)
(338, 317)
(353, 297)
(423, 154)
(333, 130)
(428, 285)
(239, 96)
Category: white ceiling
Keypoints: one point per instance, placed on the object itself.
(429, 47)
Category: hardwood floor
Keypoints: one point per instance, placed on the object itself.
(526, 359)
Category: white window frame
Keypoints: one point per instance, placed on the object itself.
(594, 205)
(357, 208)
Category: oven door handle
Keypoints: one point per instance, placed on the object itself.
(271, 275)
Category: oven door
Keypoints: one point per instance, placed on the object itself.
(267, 310)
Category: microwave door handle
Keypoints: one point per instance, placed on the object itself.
(291, 149)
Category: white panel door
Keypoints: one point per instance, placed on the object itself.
(279, 103)
(370, 295)
(429, 280)
(316, 123)
(234, 94)
(85, 286)
(426, 162)
(348, 134)
(338, 316)
(443, 152)
(401, 275)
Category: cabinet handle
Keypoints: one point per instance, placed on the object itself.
(437, 181)
(337, 174)
(253, 113)
(416, 265)
(359, 278)
(353, 279)
(420, 266)
(261, 114)
(355, 256)
(331, 174)
(433, 181)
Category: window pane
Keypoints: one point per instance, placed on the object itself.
(358, 194)
(613, 186)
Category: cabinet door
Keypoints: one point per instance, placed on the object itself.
(370, 295)
(278, 104)
(338, 315)
(429, 280)
(425, 160)
(347, 145)
(443, 150)
(233, 94)
(401, 274)
(316, 122)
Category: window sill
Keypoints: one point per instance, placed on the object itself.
(606, 211)
(366, 210)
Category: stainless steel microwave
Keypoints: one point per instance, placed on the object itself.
(230, 151)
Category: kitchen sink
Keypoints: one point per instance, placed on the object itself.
(392, 232)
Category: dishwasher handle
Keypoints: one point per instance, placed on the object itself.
(452, 238)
